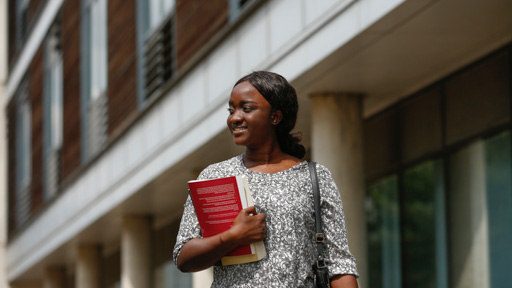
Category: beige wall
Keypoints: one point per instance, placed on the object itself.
(3, 155)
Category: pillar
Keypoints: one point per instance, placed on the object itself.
(54, 277)
(135, 252)
(337, 143)
(88, 267)
(202, 278)
(468, 219)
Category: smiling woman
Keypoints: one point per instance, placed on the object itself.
(262, 112)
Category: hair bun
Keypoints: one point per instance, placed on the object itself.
(291, 145)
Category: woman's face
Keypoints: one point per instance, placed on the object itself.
(251, 120)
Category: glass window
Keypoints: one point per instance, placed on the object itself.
(52, 111)
(98, 47)
(383, 216)
(21, 20)
(94, 76)
(423, 226)
(158, 11)
(234, 8)
(155, 45)
(498, 184)
(24, 154)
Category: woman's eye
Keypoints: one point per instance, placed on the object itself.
(231, 110)
(247, 109)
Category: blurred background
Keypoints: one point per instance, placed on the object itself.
(110, 106)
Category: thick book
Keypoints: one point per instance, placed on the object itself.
(217, 203)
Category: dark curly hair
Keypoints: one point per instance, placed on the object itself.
(282, 96)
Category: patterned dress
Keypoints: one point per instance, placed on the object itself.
(286, 198)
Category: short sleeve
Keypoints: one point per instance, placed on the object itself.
(189, 228)
(340, 260)
(189, 225)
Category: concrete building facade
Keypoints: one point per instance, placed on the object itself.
(111, 106)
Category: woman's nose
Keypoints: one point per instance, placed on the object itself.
(236, 116)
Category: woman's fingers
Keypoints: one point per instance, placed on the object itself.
(249, 226)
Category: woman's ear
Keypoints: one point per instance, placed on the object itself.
(276, 117)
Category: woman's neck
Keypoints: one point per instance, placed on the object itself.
(268, 160)
(267, 155)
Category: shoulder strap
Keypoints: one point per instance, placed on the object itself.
(319, 233)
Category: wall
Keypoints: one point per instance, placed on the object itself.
(197, 22)
(70, 22)
(122, 63)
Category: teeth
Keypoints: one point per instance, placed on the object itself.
(238, 128)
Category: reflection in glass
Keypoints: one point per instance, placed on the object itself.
(383, 218)
(423, 227)
(499, 207)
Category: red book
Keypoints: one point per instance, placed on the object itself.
(217, 203)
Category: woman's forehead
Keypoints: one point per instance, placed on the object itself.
(245, 92)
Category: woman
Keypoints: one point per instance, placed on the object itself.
(262, 112)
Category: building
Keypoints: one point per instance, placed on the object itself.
(3, 150)
(111, 106)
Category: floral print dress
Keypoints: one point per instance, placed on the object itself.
(286, 198)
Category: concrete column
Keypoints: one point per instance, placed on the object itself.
(337, 143)
(469, 219)
(88, 267)
(54, 277)
(135, 252)
(202, 278)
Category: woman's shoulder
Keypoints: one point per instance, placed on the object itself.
(323, 171)
(320, 167)
(221, 169)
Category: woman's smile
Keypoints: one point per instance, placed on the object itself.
(238, 130)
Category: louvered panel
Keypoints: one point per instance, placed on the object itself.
(98, 124)
(53, 174)
(23, 206)
(159, 58)
(168, 52)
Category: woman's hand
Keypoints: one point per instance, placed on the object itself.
(247, 228)
(201, 253)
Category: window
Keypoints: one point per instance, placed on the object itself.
(454, 232)
(406, 229)
(159, 10)
(498, 183)
(423, 226)
(383, 216)
(23, 154)
(234, 8)
(94, 77)
(52, 112)
(21, 20)
(156, 46)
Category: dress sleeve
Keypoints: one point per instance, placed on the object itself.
(340, 260)
(189, 225)
(189, 228)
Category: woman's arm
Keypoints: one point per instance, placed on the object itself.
(344, 281)
(201, 253)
